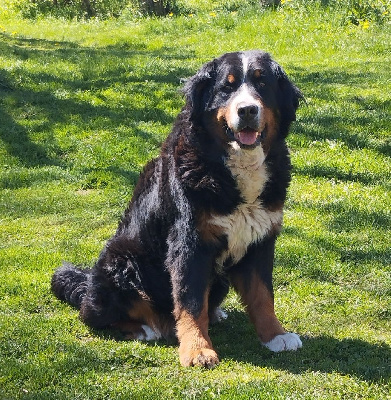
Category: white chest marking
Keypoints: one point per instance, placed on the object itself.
(251, 221)
(248, 167)
(248, 224)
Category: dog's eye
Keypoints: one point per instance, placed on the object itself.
(260, 81)
(227, 87)
(259, 78)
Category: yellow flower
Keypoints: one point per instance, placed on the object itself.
(364, 24)
(212, 14)
(171, 14)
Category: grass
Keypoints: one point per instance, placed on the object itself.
(84, 105)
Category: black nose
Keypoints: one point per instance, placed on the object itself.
(246, 111)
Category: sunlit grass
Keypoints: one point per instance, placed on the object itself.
(84, 105)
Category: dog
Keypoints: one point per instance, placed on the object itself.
(204, 216)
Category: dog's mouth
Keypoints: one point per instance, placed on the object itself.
(247, 137)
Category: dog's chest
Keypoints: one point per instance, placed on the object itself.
(251, 221)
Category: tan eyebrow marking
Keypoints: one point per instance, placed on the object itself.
(257, 73)
(231, 78)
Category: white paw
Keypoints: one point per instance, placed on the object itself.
(220, 315)
(148, 334)
(287, 341)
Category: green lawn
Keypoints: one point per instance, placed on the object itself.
(84, 105)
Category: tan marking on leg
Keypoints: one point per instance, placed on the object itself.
(142, 313)
(195, 346)
(131, 329)
(259, 305)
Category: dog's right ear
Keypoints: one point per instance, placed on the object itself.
(198, 88)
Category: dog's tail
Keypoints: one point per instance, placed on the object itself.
(69, 284)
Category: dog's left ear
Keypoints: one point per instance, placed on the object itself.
(198, 88)
(290, 95)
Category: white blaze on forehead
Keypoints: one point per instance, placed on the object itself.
(244, 95)
(245, 63)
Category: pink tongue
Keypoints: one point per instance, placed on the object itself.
(247, 136)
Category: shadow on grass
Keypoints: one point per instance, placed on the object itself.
(33, 103)
(367, 112)
(345, 220)
(331, 172)
(235, 339)
(15, 136)
(71, 359)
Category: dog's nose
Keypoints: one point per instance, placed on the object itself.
(246, 111)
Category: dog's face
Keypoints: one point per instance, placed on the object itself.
(244, 98)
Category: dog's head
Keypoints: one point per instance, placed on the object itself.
(243, 97)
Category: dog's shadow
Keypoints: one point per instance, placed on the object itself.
(235, 339)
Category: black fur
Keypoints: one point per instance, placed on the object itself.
(161, 252)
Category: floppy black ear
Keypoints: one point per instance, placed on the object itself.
(290, 95)
(198, 88)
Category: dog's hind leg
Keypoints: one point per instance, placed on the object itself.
(144, 324)
(101, 307)
(219, 290)
(135, 330)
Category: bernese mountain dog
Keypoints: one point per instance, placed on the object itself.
(204, 216)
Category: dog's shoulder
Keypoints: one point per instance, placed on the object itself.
(198, 163)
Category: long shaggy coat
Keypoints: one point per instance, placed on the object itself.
(204, 216)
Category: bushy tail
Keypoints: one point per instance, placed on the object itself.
(69, 284)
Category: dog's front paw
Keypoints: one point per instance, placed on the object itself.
(284, 342)
(199, 357)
